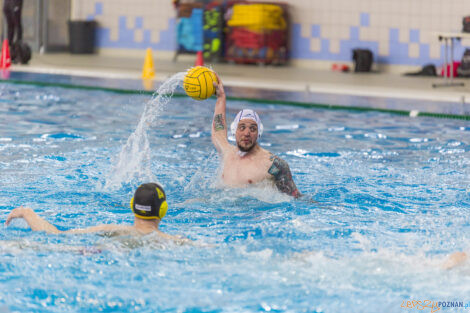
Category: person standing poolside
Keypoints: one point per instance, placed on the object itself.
(148, 205)
(247, 163)
(12, 11)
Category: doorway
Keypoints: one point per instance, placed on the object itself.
(45, 24)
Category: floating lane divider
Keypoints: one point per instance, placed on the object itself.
(412, 113)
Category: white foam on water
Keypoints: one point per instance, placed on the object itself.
(133, 162)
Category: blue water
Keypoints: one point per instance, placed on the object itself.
(392, 201)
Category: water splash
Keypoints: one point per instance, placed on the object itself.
(134, 159)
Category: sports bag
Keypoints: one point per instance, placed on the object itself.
(466, 24)
(464, 69)
(20, 52)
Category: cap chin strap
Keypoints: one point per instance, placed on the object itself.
(241, 153)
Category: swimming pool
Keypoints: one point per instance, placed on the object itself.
(393, 200)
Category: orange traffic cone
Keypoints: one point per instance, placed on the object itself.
(199, 59)
(5, 60)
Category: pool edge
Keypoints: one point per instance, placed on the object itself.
(255, 99)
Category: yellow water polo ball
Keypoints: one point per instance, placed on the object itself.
(199, 82)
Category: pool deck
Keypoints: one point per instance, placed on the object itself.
(295, 84)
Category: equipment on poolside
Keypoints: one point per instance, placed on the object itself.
(199, 82)
(20, 52)
(464, 69)
(363, 59)
(5, 60)
(246, 114)
(148, 70)
(466, 24)
(149, 202)
(199, 59)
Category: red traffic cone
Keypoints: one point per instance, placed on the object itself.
(199, 59)
(5, 60)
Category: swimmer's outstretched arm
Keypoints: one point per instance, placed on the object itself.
(34, 221)
(37, 223)
(219, 123)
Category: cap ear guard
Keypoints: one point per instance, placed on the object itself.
(163, 209)
(164, 205)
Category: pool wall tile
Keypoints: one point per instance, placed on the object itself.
(399, 32)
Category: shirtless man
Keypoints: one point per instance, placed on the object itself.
(247, 163)
(148, 205)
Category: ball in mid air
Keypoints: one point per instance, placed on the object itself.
(199, 82)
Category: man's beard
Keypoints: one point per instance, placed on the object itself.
(248, 149)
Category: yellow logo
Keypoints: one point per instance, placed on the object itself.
(421, 305)
(160, 194)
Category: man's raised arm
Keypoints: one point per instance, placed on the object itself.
(219, 123)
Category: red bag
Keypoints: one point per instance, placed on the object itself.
(446, 70)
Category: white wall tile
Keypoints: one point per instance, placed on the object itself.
(404, 35)
(138, 35)
(315, 44)
(155, 37)
(305, 30)
(413, 50)
(384, 49)
(335, 46)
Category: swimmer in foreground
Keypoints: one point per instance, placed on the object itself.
(148, 205)
(247, 163)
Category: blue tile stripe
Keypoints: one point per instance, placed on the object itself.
(365, 20)
(126, 37)
(397, 54)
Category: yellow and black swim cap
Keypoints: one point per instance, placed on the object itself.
(149, 202)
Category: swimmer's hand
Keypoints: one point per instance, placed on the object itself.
(34, 221)
(219, 87)
(19, 212)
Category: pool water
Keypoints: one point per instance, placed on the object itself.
(386, 199)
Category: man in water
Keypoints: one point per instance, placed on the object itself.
(148, 205)
(247, 163)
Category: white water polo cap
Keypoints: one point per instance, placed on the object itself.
(247, 114)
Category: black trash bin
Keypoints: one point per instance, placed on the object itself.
(362, 59)
(82, 36)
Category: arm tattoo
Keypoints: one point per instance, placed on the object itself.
(219, 122)
(283, 177)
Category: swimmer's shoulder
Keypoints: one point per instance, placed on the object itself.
(275, 160)
(229, 151)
